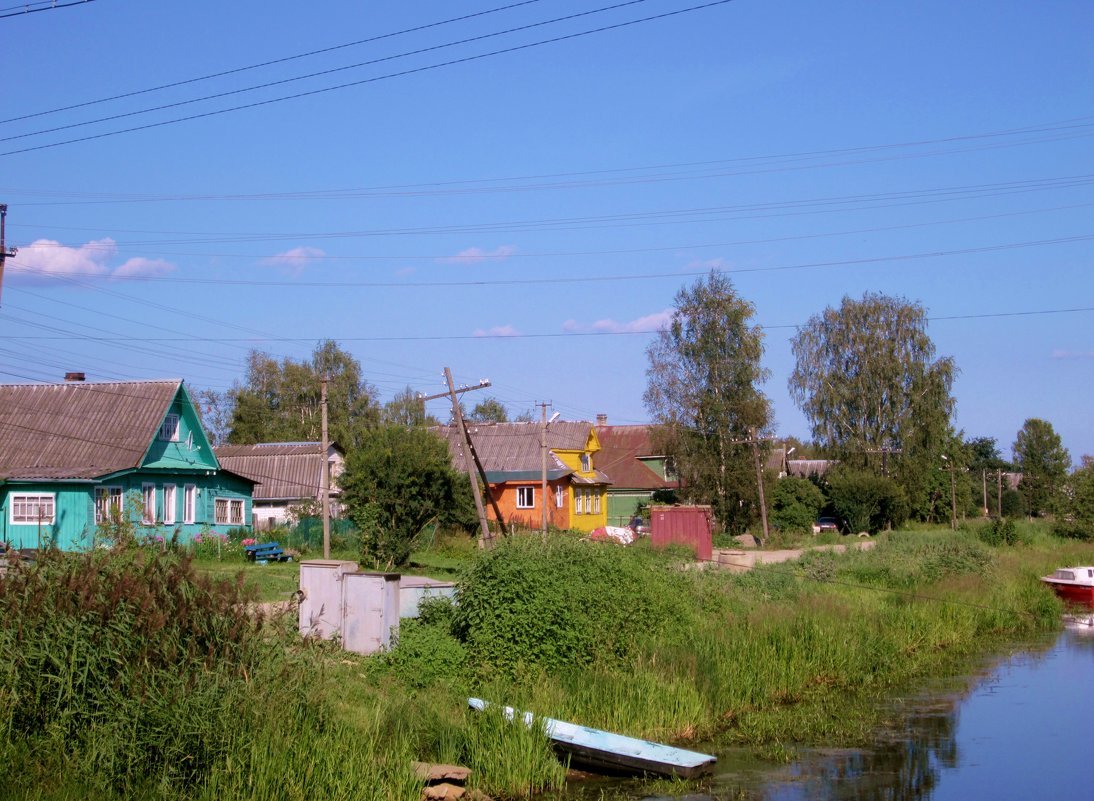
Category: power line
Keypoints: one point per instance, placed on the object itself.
(38, 5)
(587, 279)
(374, 79)
(562, 335)
(270, 63)
(319, 74)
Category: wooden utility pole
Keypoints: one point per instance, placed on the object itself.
(485, 540)
(4, 252)
(324, 473)
(755, 442)
(543, 464)
(999, 493)
(984, 479)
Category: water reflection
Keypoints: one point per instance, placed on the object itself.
(1009, 731)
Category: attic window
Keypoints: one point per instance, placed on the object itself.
(169, 429)
(586, 463)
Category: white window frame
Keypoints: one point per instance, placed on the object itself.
(189, 503)
(148, 498)
(235, 512)
(220, 511)
(586, 463)
(169, 428)
(169, 503)
(526, 497)
(37, 498)
(106, 497)
(560, 496)
(579, 502)
(596, 501)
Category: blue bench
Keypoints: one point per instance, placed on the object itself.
(266, 552)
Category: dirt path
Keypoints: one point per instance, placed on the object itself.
(740, 560)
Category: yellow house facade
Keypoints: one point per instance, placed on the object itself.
(588, 490)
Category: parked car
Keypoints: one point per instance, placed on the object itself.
(826, 524)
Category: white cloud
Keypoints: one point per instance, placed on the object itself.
(141, 268)
(496, 331)
(477, 255)
(650, 322)
(296, 258)
(47, 257)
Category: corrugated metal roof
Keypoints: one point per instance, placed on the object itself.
(620, 447)
(283, 470)
(79, 430)
(514, 447)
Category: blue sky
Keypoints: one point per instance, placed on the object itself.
(528, 216)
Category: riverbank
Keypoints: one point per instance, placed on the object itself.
(786, 655)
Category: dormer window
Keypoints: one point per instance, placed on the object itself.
(586, 463)
(169, 429)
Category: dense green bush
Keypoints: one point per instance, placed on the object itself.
(795, 504)
(999, 531)
(123, 668)
(867, 501)
(562, 603)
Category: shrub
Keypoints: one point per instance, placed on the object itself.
(123, 668)
(908, 559)
(867, 501)
(561, 603)
(795, 504)
(999, 531)
(426, 653)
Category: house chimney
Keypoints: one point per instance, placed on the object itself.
(75, 377)
(602, 419)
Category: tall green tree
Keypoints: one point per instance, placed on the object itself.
(399, 480)
(1042, 459)
(703, 391)
(490, 410)
(281, 400)
(874, 393)
(406, 410)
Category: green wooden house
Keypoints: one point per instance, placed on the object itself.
(76, 455)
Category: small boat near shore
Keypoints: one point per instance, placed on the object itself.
(1075, 585)
(606, 752)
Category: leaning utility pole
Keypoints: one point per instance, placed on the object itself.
(324, 474)
(4, 252)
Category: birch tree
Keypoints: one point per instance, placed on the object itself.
(703, 392)
(874, 393)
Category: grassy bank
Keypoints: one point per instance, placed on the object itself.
(623, 639)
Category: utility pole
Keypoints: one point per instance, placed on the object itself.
(999, 493)
(4, 251)
(755, 442)
(984, 479)
(543, 463)
(324, 473)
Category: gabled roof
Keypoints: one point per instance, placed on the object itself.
(621, 449)
(284, 471)
(79, 430)
(513, 449)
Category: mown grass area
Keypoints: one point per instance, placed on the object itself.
(623, 639)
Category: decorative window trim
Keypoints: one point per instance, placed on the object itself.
(579, 502)
(170, 502)
(189, 503)
(105, 498)
(21, 504)
(148, 496)
(220, 511)
(169, 428)
(526, 497)
(596, 501)
(235, 512)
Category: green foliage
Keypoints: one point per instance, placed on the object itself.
(405, 409)
(795, 504)
(1077, 521)
(123, 665)
(426, 653)
(280, 401)
(490, 410)
(1043, 461)
(867, 379)
(999, 532)
(915, 559)
(561, 604)
(399, 480)
(868, 502)
(703, 391)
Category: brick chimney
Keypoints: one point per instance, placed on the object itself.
(602, 419)
(75, 377)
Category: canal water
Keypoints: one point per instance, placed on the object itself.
(1018, 729)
